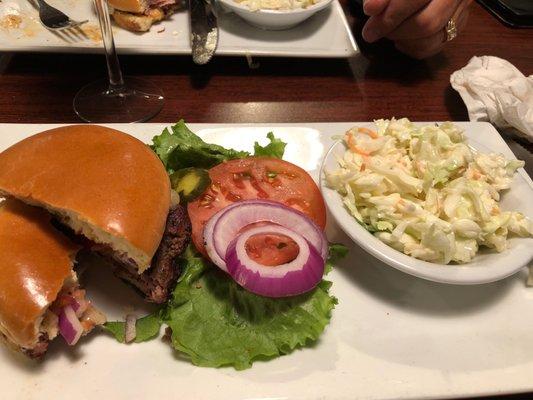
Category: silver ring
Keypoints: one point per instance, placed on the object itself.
(451, 30)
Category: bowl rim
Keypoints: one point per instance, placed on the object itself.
(312, 9)
(461, 274)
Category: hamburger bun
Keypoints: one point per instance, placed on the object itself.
(100, 182)
(132, 6)
(140, 15)
(35, 260)
(138, 22)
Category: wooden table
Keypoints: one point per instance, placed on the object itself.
(379, 82)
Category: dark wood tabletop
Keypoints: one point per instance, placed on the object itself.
(378, 82)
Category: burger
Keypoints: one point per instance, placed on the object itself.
(139, 15)
(40, 296)
(109, 193)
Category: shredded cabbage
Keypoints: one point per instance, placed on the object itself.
(425, 192)
(255, 5)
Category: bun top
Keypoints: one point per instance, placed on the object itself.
(103, 183)
(133, 6)
(35, 260)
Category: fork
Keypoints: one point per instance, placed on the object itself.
(54, 19)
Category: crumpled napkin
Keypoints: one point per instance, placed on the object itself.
(494, 90)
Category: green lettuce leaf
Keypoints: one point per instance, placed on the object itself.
(147, 328)
(336, 252)
(217, 323)
(221, 324)
(178, 147)
(276, 148)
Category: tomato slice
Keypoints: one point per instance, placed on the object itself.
(271, 250)
(256, 178)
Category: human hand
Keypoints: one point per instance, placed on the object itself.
(417, 27)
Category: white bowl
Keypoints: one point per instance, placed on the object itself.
(487, 266)
(275, 20)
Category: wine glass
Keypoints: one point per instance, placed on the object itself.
(117, 99)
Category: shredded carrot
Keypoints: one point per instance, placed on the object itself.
(363, 167)
(349, 139)
(476, 175)
(369, 132)
(495, 210)
(360, 151)
(353, 147)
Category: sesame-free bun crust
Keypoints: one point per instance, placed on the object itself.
(132, 6)
(138, 22)
(101, 182)
(35, 260)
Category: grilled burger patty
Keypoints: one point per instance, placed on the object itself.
(157, 282)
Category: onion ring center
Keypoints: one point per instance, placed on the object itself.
(271, 249)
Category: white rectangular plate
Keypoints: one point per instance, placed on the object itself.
(392, 336)
(326, 34)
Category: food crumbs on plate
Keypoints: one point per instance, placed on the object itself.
(175, 33)
(29, 33)
(167, 337)
(161, 30)
(92, 31)
(11, 21)
(23, 25)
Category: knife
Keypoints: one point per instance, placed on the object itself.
(204, 30)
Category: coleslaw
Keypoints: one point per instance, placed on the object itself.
(255, 5)
(425, 192)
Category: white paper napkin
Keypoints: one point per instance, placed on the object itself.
(494, 90)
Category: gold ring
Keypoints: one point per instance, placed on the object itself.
(451, 30)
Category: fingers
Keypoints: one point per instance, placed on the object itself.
(427, 21)
(374, 7)
(395, 13)
(431, 45)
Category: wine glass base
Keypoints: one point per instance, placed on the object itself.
(137, 101)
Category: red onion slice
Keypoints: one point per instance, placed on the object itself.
(130, 328)
(225, 225)
(70, 326)
(75, 305)
(298, 276)
(209, 244)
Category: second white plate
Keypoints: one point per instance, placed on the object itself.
(326, 34)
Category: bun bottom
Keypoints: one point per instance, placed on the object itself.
(142, 22)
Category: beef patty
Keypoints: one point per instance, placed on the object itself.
(157, 282)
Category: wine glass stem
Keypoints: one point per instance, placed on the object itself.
(116, 82)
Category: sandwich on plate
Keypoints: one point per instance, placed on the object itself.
(40, 297)
(109, 193)
(140, 15)
(252, 284)
(248, 286)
